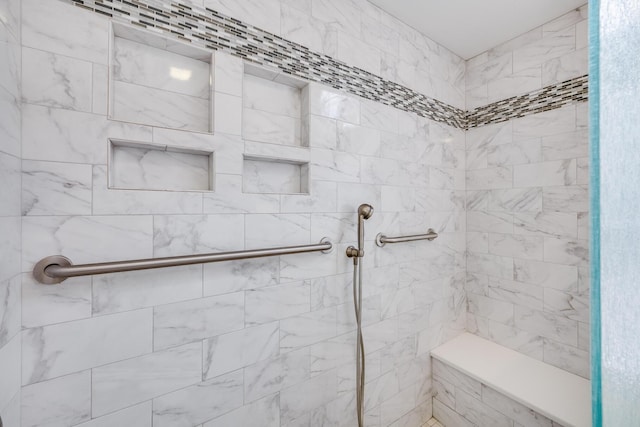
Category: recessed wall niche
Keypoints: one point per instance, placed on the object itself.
(143, 166)
(274, 176)
(274, 107)
(158, 82)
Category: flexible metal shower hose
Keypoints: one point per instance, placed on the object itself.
(360, 358)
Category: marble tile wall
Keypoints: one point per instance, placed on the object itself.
(216, 345)
(10, 195)
(461, 401)
(527, 201)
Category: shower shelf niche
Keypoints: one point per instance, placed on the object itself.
(144, 166)
(157, 82)
(275, 107)
(274, 176)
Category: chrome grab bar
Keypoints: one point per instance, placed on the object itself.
(56, 268)
(381, 239)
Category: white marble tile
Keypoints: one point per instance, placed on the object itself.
(10, 75)
(65, 30)
(553, 224)
(515, 43)
(274, 177)
(9, 247)
(555, 276)
(520, 152)
(108, 201)
(562, 22)
(566, 199)
(358, 139)
(455, 378)
(235, 350)
(379, 116)
(55, 350)
(582, 34)
(308, 328)
(341, 15)
(262, 14)
(11, 14)
(514, 410)
(120, 238)
(329, 165)
(273, 375)
(69, 136)
(300, 27)
(156, 107)
(491, 222)
(227, 114)
(479, 413)
(10, 118)
(192, 234)
(333, 104)
(572, 305)
(522, 341)
(566, 146)
(229, 198)
(568, 358)
(264, 230)
(306, 266)
(583, 175)
(517, 246)
(545, 174)
(351, 195)
(271, 97)
(138, 415)
(321, 198)
(183, 322)
(228, 74)
(490, 178)
(146, 65)
(565, 67)
(489, 135)
(133, 290)
(316, 391)
(10, 192)
(58, 402)
(150, 167)
(545, 124)
(100, 94)
(10, 303)
(518, 83)
(323, 132)
(199, 403)
(480, 74)
(490, 264)
(232, 276)
(269, 127)
(564, 251)
(136, 380)
(547, 325)
(10, 357)
(56, 81)
(267, 410)
(518, 293)
(50, 188)
(331, 291)
(45, 305)
(552, 45)
(490, 308)
(276, 302)
(515, 200)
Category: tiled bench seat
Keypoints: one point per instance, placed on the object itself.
(479, 383)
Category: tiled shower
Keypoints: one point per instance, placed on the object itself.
(143, 129)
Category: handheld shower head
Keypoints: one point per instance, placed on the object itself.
(365, 211)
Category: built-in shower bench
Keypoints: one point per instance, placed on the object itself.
(491, 377)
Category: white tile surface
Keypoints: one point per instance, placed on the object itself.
(562, 396)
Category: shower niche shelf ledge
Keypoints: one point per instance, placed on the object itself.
(274, 176)
(144, 166)
(158, 82)
(275, 107)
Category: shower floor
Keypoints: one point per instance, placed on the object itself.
(432, 423)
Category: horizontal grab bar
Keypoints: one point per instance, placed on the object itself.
(381, 239)
(56, 268)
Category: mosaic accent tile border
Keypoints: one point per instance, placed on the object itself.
(547, 98)
(212, 30)
(207, 28)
